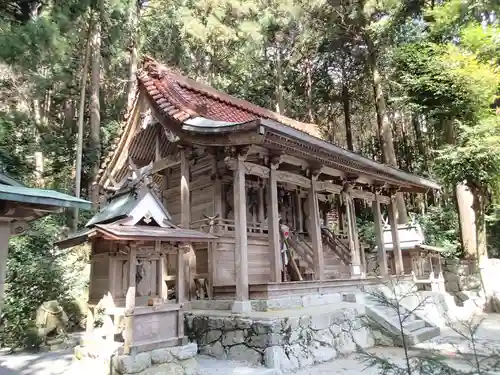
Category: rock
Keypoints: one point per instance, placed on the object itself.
(212, 336)
(302, 354)
(129, 364)
(323, 354)
(185, 352)
(215, 350)
(162, 355)
(345, 344)
(244, 353)
(190, 366)
(216, 323)
(324, 337)
(166, 368)
(276, 358)
(233, 337)
(242, 323)
(319, 322)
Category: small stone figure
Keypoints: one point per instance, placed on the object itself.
(51, 317)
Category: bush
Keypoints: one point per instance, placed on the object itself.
(35, 274)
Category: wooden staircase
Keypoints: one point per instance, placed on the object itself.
(336, 257)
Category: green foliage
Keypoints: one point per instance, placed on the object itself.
(441, 228)
(476, 159)
(35, 274)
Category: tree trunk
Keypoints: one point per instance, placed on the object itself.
(280, 103)
(309, 91)
(81, 116)
(465, 202)
(346, 102)
(95, 116)
(419, 140)
(384, 127)
(132, 79)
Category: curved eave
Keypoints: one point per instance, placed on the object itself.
(202, 125)
(419, 182)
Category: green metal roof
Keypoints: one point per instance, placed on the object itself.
(7, 180)
(41, 197)
(118, 208)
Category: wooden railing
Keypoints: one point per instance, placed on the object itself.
(226, 226)
(336, 245)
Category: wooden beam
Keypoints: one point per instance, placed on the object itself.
(325, 186)
(396, 245)
(164, 163)
(379, 235)
(315, 233)
(293, 178)
(274, 226)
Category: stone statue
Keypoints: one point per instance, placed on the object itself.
(51, 317)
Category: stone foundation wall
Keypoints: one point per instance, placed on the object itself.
(179, 360)
(282, 343)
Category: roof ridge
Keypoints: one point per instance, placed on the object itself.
(155, 69)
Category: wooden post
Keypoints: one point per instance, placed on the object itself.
(190, 256)
(132, 260)
(300, 212)
(315, 233)
(396, 245)
(273, 226)
(352, 235)
(4, 249)
(241, 304)
(261, 214)
(130, 300)
(217, 210)
(379, 236)
(179, 290)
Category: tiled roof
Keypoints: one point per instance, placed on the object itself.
(180, 98)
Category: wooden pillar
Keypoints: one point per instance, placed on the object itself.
(352, 235)
(217, 210)
(128, 334)
(300, 212)
(190, 256)
(315, 233)
(179, 290)
(379, 236)
(132, 260)
(4, 249)
(273, 225)
(161, 273)
(396, 245)
(241, 304)
(261, 213)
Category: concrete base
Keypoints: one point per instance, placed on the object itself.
(105, 358)
(240, 307)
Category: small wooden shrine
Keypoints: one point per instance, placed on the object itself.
(137, 254)
(228, 167)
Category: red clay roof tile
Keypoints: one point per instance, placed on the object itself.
(192, 99)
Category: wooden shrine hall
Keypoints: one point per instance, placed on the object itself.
(261, 183)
